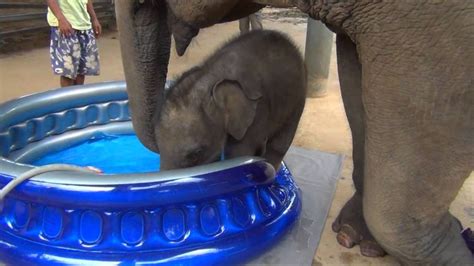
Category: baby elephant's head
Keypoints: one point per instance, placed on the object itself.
(197, 119)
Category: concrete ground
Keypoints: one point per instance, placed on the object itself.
(323, 125)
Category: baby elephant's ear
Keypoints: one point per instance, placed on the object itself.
(239, 109)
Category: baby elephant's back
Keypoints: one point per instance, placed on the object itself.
(270, 59)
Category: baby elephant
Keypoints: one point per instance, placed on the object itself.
(246, 99)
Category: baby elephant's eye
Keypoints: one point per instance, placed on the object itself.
(195, 155)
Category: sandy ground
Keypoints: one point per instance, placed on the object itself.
(323, 126)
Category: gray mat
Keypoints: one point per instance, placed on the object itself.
(316, 173)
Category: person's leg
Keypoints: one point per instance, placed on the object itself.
(56, 55)
(64, 54)
(79, 79)
(89, 56)
(65, 81)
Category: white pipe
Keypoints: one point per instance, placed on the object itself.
(40, 170)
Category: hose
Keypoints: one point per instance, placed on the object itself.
(40, 170)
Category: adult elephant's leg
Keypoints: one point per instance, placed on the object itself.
(418, 98)
(414, 170)
(244, 25)
(256, 21)
(350, 224)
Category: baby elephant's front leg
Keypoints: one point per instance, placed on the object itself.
(279, 144)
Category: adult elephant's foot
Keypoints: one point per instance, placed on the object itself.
(352, 230)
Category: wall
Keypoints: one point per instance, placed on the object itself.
(23, 23)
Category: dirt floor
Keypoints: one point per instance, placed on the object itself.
(323, 126)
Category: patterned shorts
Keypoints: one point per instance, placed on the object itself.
(74, 55)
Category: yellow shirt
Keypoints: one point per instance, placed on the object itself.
(75, 12)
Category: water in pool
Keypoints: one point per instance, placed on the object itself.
(111, 154)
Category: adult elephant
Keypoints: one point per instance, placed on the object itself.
(406, 75)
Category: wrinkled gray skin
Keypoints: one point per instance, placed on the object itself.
(243, 100)
(405, 71)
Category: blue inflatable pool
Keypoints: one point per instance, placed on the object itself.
(222, 213)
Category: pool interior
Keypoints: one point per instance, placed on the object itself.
(113, 154)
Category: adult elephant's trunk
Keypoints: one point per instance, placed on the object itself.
(145, 42)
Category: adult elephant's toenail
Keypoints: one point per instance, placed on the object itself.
(370, 248)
